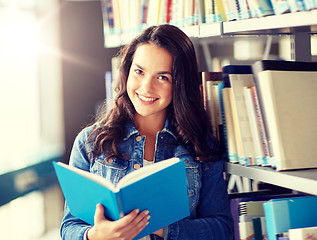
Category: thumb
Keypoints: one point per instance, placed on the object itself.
(99, 213)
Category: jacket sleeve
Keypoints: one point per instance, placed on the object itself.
(73, 228)
(214, 220)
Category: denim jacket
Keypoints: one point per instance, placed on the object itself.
(210, 216)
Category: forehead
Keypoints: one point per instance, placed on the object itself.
(152, 56)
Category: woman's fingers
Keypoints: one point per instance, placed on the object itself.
(125, 228)
(99, 213)
(133, 223)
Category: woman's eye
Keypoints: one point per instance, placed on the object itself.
(138, 71)
(163, 78)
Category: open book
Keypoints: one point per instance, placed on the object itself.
(160, 188)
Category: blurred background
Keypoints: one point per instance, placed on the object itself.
(52, 67)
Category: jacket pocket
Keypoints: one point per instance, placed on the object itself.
(112, 169)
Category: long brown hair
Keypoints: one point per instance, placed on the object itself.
(186, 111)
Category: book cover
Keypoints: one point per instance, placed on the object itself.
(284, 214)
(287, 94)
(160, 188)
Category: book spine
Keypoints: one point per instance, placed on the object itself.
(259, 121)
(230, 132)
(257, 68)
(253, 125)
(119, 203)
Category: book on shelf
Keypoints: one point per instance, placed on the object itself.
(260, 8)
(231, 9)
(296, 5)
(310, 4)
(257, 127)
(308, 233)
(238, 77)
(211, 86)
(287, 96)
(280, 6)
(284, 214)
(160, 188)
(259, 228)
(231, 143)
(244, 11)
(248, 211)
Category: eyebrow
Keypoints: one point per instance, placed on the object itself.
(161, 72)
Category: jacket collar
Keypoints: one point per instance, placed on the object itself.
(130, 129)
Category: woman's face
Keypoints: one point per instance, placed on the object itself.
(149, 83)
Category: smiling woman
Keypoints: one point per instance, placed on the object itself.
(158, 114)
(149, 85)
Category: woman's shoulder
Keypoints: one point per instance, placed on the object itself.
(85, 133)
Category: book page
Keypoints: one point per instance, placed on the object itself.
(145, 171)
(96, 178)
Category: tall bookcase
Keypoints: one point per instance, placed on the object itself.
(299, 26)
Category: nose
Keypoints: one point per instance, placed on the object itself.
(148, 83)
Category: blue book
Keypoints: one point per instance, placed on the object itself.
(160, 188)
(284, 214)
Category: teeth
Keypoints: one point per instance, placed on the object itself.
(147, 99)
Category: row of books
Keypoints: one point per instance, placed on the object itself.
(265, 113)
(124, 16)
(274, 217)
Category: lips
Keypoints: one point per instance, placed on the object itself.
(146, 99)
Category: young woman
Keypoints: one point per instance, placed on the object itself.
(158, 114)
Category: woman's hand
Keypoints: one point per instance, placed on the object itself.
(125, 228)
(160, 232)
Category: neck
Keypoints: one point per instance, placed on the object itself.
(149, 125)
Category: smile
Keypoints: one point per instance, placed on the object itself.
(146, 99)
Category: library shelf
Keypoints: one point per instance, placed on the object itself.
(275, 24)
(299, 180)
(288, 23)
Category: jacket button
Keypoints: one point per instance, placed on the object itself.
(110, 160)
(136, 166)
(139, 138)
(186, 160)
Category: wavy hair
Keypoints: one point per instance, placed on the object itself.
(186, 111)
